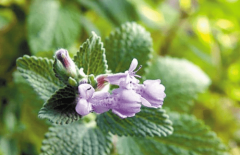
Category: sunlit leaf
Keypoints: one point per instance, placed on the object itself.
(125, 43)
(91, 56)
(58, 27)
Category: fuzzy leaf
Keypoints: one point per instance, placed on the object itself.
(182, 79)
(75, 139)
(190, 137)
(57, 27)
(149, 122)
(91, 56)
(125, 43)
(60, 108)
(39, 73)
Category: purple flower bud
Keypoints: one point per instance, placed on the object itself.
(152, 93)
(69, 67)
(83, 106)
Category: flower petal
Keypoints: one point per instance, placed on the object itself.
(115, 79)
(133, 65)
(86, 91)
(83, 107)
(145, 102)
(129, 95)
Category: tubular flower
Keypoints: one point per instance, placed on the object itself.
(83, 106)
(101, 102)
(152, 93)
(115, 79)
(128, 103)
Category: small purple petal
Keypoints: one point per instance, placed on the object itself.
(133, 65)
(145, 102)
(83, 107)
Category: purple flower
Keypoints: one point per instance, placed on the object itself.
(66, 67)
(101, 102)
(115, 79)
(83, 106)
(152, 93)
(127, 103)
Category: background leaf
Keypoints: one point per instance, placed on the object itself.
(148, 122)
(190, 137)
(75, 139)
(39, 73)
(125, 43)
(58, 27)
(60, 108)
(91, 56)
(182, 80)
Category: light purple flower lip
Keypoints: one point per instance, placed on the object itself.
(83, 106)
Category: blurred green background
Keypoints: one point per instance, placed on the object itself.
(205, 32)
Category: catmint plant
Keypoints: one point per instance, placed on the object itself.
(85, 115)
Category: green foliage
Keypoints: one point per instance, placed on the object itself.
(148, 122)
(39, 73)
(91, 56)
(190, 137)
(75, 139)
(125, 43)
(182, 80)
(59, 26)
(60, 108)
(116, 12)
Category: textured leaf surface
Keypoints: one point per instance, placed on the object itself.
(190, 137)
(75, 139)
(60, 108)
(149, 122)
(57, 27)
(91, 56)
(125, 43)
(182, 79)
(39, 73)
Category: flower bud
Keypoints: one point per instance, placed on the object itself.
(64, 67)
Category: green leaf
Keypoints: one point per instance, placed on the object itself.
(148, 122)
(125, 43)
(182, 79)
(57, 27)
(91, 56)
(60, 108)
(75, 139)
(116, 12)
(190, 137)
(39, 73)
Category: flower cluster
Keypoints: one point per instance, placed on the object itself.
(124, 101)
